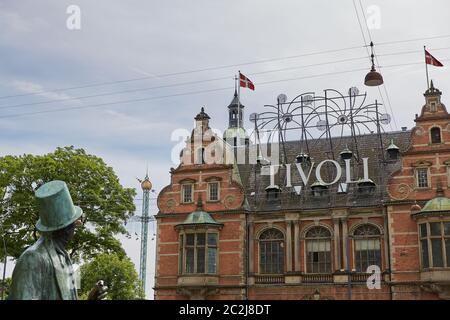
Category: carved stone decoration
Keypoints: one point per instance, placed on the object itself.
(229, 202)
(197, 293)
(442, 290)
(419, 131)
(402, 192)
(171, 203)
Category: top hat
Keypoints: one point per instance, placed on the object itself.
(56, 209)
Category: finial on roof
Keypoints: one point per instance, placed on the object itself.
(202, 115)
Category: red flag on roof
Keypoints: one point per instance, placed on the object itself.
(429, 59)
(245, 82)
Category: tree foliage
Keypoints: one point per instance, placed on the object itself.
(5, 287)
(93, 186)
(118, 273)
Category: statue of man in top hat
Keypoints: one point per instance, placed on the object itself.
(44, 271)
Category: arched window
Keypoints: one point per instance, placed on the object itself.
(435, 135)
(318, 252)
(271, 252)
(367, 247)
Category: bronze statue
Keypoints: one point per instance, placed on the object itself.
(44, 271)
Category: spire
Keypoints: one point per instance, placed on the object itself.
(432, 91)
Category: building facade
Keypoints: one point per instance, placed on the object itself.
(381, 230)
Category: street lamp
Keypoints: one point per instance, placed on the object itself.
(373, 78)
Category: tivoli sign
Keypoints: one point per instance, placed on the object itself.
(305, 177)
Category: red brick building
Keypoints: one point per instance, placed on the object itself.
(227, 231)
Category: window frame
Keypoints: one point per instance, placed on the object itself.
(416, 174)
(282, 253)
(367, 238)
(182, 251)
(209, 191)
(428, 238)
(431, 134)
(183, 185)
(307, 239)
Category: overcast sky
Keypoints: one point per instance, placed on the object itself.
(123, 40)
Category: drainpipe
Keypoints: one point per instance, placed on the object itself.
(247, 258)
(388, 247)
(349, 284)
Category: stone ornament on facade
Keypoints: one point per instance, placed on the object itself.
(170, 204)
(229, 202)
(419, 131)
(401, 192)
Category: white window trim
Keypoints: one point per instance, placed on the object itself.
(416, 174)
(428, 238)
(182, 192)
(218, 191)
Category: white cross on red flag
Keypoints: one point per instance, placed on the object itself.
(429, 59)
(245, 82)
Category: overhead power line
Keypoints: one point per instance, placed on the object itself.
(106, 83)
(20, 105)
(194, 92)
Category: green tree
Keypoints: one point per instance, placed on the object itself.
(93, 185)
(5, 287)
(118, 273)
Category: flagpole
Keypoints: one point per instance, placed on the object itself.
(239, 109)
(426, 66)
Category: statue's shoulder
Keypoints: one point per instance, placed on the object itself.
(36, 254)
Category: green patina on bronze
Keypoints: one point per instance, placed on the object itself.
(44, 271)
(199, 217)
(438, 204)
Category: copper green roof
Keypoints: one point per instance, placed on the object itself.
(199, 217)
(437, 204)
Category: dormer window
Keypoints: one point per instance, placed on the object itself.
(319, 189)
(273, 193)
(366, 187)
(393, 151)
(435, 135)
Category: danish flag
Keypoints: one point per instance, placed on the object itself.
(429, 59)
(245, 82)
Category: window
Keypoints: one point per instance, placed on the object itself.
(433, 107)
(435, 244)
(367, 247)
(200, 159)
(318, 253)
(213, 191)
(271, 252)
(435, 135)
(422, 177)
(272, 194)
(198, 253)
(186, 195)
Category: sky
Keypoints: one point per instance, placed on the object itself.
(133, 76)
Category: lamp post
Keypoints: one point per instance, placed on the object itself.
(3, 287)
